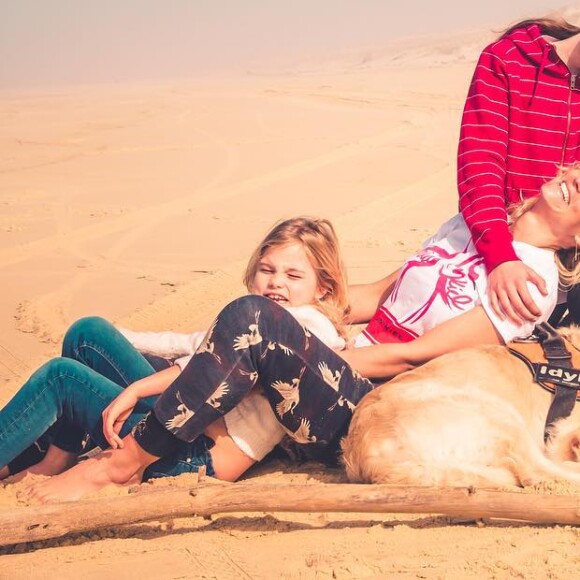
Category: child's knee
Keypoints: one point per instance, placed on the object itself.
(53, 369)
(87, 329)
(248, 307)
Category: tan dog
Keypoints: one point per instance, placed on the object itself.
(472, 417)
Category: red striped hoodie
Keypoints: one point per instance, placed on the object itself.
(521, 121)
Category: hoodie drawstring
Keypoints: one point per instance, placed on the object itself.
(543, 64)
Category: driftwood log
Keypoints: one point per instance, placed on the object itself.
(57, 520)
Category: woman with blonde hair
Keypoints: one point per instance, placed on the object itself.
(441, 299)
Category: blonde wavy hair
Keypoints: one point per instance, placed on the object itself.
(567, 259)
(319, 240)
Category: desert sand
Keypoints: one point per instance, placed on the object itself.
(142, 203)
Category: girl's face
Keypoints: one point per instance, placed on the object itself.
(286, 276)
(560, 199)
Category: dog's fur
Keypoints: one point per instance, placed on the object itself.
(472, 417)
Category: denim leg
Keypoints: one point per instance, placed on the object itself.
(311, 389)
(61, 388)
(97, 344)
(187, 458)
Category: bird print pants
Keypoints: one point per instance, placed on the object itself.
(255, 343)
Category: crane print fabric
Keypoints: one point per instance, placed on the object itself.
(254, 341)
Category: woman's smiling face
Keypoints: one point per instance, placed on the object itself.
(559, 201)
(286, 276)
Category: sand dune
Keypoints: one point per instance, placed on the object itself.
(142, 204)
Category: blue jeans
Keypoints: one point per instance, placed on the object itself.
(187, 458)
(67, 396)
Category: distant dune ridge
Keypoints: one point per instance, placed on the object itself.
(426, 50)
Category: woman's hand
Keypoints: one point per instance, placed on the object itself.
(115, 415)
(508, 291)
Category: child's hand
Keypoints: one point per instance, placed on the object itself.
(115, 415)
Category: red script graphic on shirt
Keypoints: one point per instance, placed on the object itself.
(450, 283)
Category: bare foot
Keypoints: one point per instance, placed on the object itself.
(54, 462)
(114, 466)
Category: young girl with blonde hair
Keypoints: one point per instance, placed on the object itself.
(297, 265)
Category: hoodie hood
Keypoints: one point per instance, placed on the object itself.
(539, 52)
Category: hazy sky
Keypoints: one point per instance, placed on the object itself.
(55, 42)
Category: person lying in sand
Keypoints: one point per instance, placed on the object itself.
(437, 303)
(103, 386)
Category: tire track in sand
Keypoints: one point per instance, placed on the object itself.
(210, 193)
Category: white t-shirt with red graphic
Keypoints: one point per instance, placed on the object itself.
(447, 278)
